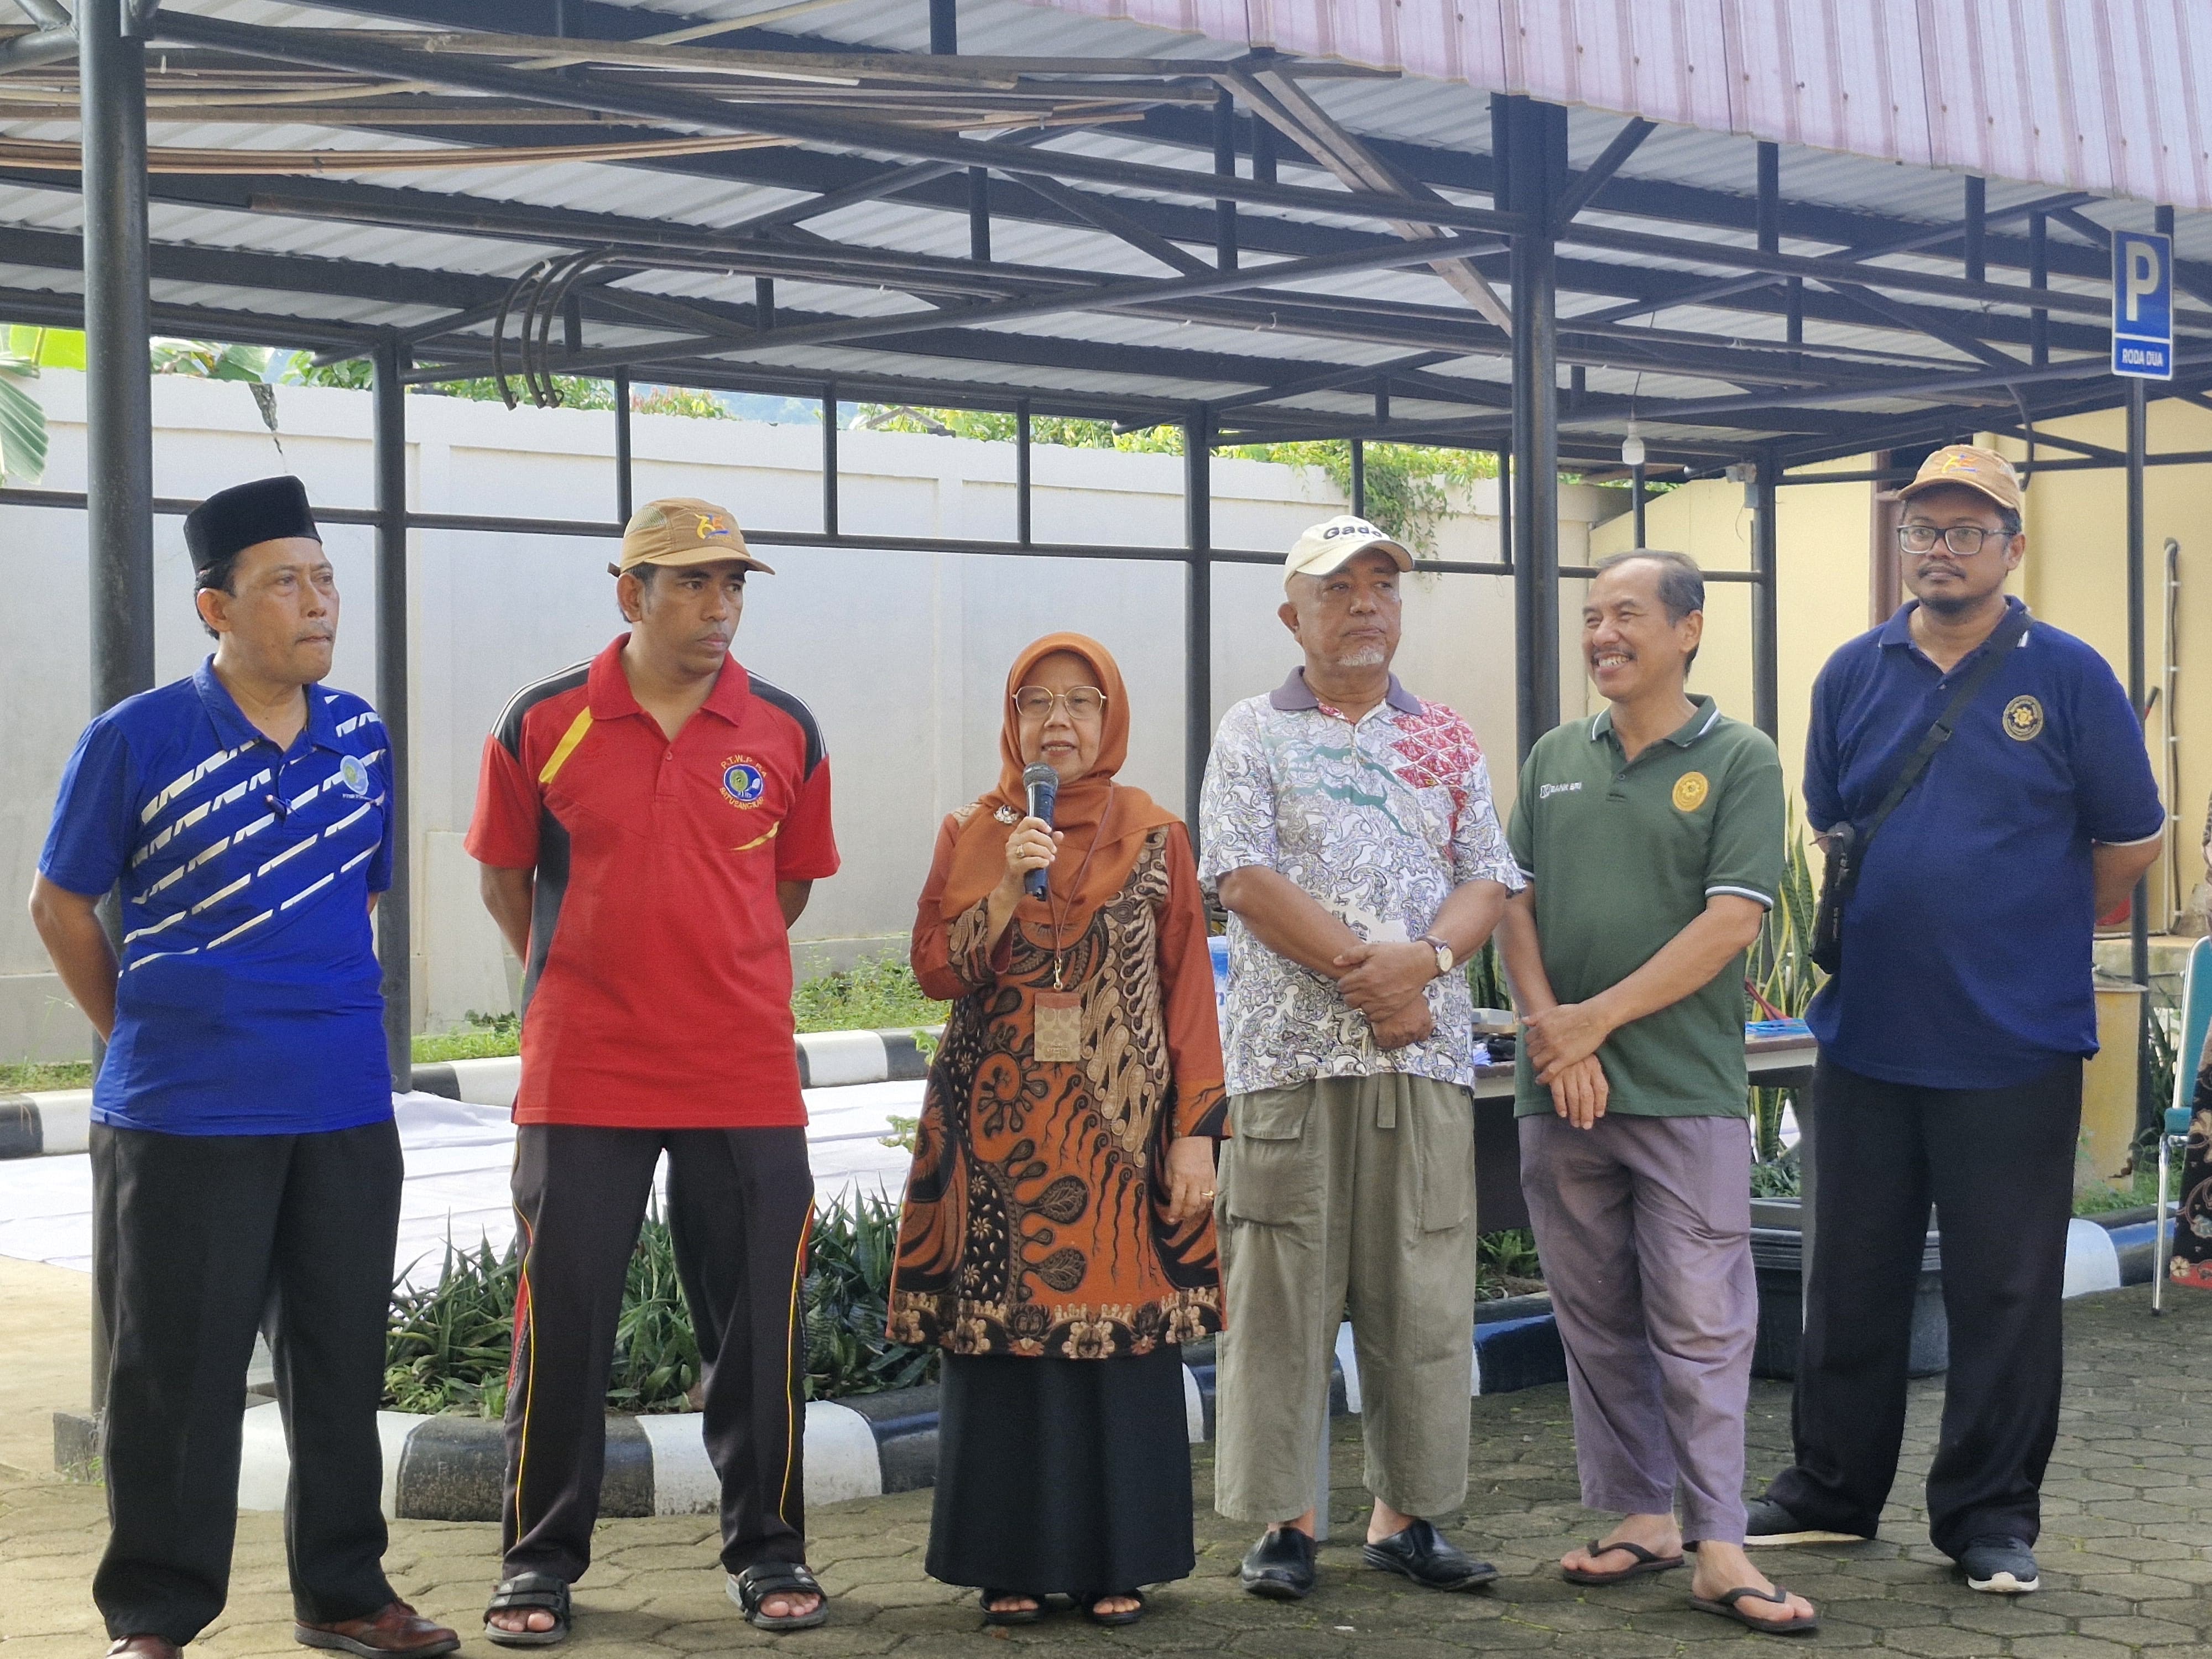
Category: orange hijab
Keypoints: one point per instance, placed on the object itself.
(1101, 845)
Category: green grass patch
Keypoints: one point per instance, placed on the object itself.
(21, 1076)
(878, 993)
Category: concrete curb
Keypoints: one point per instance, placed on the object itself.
(450, 1467)
(46, 1124)
(53, 1121)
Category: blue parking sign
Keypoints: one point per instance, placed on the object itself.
(2142, 305)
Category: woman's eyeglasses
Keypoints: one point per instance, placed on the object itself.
(1083, 702)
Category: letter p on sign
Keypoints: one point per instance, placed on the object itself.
(2142, 305)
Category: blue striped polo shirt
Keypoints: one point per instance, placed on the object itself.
(251, 1001)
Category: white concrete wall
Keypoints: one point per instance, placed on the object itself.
(902, 655)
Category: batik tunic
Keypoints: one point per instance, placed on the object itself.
(1035, 1221)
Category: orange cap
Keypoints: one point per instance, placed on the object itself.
(1982, 471)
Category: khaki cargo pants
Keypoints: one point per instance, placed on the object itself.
(1357, 1194)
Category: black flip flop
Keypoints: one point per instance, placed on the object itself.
(1012, 1615)
(1645, 1563)
(751, 1588)
(529, 1592)
(1725, 1608)
(1130, 1617)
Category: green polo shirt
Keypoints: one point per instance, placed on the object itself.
(1623, 855)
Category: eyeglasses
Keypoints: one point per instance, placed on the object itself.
(1083, 702)
(1962, 538)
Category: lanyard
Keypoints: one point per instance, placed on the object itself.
(1052, 905)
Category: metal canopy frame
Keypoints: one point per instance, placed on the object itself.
(1410, 293)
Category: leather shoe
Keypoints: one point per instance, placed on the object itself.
(1429, 1559)
(1280, 1566)
(396, 1632)
(145, 1647)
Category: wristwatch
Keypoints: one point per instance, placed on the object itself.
(1444, 960)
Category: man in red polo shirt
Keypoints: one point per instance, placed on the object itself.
(649, 824)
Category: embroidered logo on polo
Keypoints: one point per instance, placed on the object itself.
(354, 774)
(2023, 719)
(1690, 791)
(1546, 791)
(742, 781)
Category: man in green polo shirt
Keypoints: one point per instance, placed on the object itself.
(1651, 839)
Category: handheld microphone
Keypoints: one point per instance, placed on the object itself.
(1042, 784)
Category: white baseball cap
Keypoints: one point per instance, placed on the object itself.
(1330, 542)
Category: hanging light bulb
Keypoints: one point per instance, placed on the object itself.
(1631, 446)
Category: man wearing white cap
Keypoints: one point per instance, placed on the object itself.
(1347, 826)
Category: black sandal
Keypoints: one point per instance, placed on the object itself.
(1642, 1561)
(1130, 1617)
(526, 1593)
(751, 1588)
(1011, 1615)
(1725, 1605)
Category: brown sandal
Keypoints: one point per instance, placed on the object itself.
(1645, 1563)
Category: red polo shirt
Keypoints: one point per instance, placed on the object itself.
(658, 989)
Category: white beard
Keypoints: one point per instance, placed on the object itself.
(1373, 657)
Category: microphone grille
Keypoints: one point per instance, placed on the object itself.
(1039, 774)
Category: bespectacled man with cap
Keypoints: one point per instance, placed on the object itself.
(1348, 829)
(649, 824)
(245, 1167)
(1952, 1037)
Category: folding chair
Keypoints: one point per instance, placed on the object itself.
(2174, 1130)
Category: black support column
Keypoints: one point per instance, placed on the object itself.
(1536, 145)
(625, 472)
(1765, 642)
(395, 920)
(118, 403)
(1198, 610)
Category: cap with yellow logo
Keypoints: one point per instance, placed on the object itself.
(684, 530)
(1982, 471)
(1329, 543)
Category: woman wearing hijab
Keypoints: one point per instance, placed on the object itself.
(1057, 1239)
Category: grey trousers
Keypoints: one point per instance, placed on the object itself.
(1644, 1227)
(1346, 1194)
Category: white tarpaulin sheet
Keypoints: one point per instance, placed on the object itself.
(2113, 96)
(457, 1156)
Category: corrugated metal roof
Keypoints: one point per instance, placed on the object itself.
(2103, 95)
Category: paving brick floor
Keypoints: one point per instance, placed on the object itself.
(2126, 1553)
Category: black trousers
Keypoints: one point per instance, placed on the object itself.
(198, 1241)
(1998, 1165)
(740, 1204)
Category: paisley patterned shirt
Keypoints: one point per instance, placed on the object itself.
(1378, 821)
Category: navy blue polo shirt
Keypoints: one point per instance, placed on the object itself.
(250, 1000)
(1966, 945)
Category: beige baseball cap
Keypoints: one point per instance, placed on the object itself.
(684, 530)
(1982, 471)
(1331, 542)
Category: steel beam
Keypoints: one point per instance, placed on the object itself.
(1536, 160)
(1198, 611)
(395, 910)
(625, 473)
(1765, 629)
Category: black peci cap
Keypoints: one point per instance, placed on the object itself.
(245, 515)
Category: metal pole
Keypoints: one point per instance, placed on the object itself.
(1358, 479)
(944, 26)
(763, 303)
(829, 459)
(1765, 694)
(1225, 166)
(1636, 500)
(395, 910)
(2038, 275)
(1976, 224)
(1023, 520)
(624, 474)
(1198, 610)
(118, 402)
(979, 216)
(119, 420)
(2148, 1110)
(1536, 156)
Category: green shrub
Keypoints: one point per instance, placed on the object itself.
(448, 1346)
(876, 994)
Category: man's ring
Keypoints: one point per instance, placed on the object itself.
(1208, 1193)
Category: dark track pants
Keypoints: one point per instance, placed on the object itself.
(1999, 1166)
(198, 1241)
(740, 1203)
